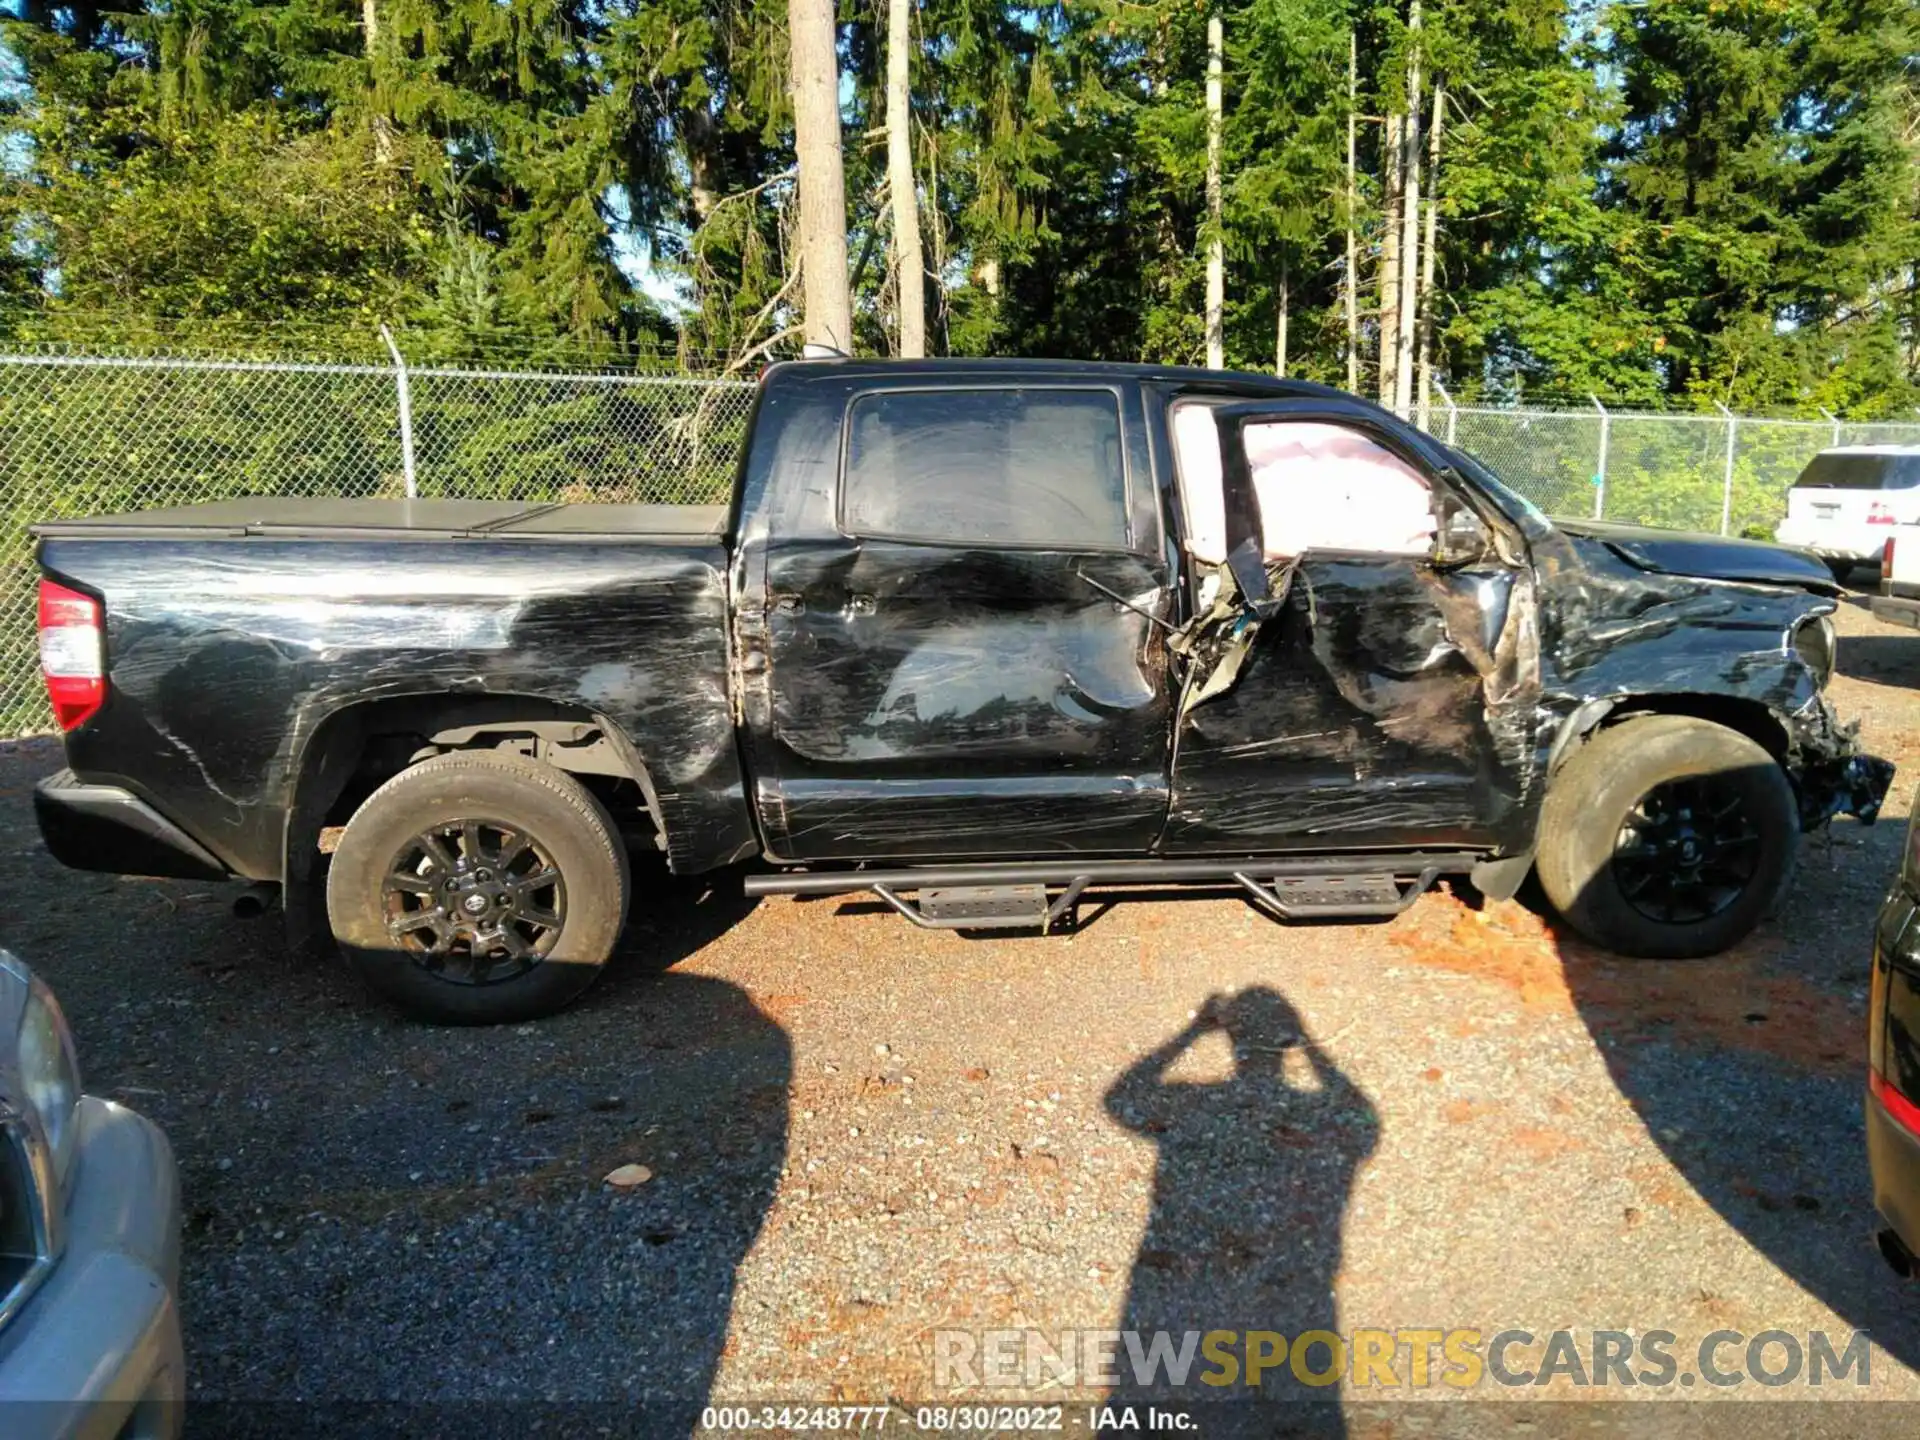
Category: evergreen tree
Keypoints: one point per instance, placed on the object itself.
(1665, 202)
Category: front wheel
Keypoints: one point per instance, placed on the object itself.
(477, 888)
(1667, 837)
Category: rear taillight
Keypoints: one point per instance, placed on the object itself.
(1905, 1113)
(1886, 560)
(72, 653)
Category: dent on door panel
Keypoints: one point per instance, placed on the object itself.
(963, 702)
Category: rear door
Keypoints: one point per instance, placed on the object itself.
(970, 665)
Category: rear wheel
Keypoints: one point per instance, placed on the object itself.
(478, 888)
(1667, 836)
(1841, 568)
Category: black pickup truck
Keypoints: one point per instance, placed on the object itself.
(972, 636)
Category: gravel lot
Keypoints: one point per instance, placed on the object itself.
(860, 1133)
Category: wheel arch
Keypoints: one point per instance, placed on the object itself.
(1755, 719)
(363, 744)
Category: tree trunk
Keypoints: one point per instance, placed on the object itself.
(910, 268)
(1353, 249)
(1280, 322)
(823, 186)
(1409, 225)
(382, 122)
(1427, 253)
(1393, 155)
(699, 137)
(1216, 243)
(937, 242)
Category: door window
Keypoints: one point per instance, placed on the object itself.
(1320, 486)
(1332, 487)
(1039, 468)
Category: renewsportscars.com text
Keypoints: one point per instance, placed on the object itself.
(1216, 1361)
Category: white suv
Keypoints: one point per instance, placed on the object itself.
(1847, 500)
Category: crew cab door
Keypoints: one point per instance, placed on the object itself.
(1370, 680)
(967, 666)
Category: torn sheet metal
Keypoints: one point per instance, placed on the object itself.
(1358, 713)
(1215, 643)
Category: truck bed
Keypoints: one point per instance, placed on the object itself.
(238, 631)
(322, 518)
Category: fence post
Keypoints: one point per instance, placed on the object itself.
(1600, 475)
(406, 411)
(1836, 423)
(1453, 411)
(1726, 489)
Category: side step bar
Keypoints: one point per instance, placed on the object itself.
(1015, 895)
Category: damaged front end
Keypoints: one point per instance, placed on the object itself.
(1830, 774)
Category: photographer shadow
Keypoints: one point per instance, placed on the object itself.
(1250, 1189)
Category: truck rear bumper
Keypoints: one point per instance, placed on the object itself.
(103, 827)
(1831, 541)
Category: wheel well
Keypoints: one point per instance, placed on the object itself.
(356, 750)
(1750, 718)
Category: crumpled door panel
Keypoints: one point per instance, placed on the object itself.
(1383, 702)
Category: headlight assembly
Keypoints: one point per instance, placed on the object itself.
(49, 1077)
(39, 1130)
(1813, 641)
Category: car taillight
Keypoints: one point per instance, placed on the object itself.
(1903, 1110)
(1886, 560)
(72, 653)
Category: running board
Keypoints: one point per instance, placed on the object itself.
(1016, 896)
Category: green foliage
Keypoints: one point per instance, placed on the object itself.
(1666, 202)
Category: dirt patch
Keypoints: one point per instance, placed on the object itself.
(1736, 999)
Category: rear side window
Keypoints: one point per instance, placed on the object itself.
(1032, 467)
(1837, 470)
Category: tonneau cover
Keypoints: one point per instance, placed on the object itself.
(296, 517)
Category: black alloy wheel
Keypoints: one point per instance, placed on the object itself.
(475, 901)
(479, 888)
(1666, 836)
(1687, 851)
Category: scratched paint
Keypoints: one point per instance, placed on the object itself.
(216, 686)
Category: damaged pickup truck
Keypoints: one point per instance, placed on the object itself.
(972, 636)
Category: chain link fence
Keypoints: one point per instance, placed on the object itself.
(94, 434)
(1725, 474)
(86, 434)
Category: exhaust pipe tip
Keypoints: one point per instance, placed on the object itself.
(255, 901)
(1894, 1251)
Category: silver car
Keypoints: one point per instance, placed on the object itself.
(89, 1243)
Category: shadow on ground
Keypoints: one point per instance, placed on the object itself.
(1747, 1069)
(1888, 659)
(1250, 1190)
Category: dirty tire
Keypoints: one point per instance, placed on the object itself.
(1600, 788)
(509, 795)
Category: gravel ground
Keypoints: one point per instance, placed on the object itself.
(860, 1134)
